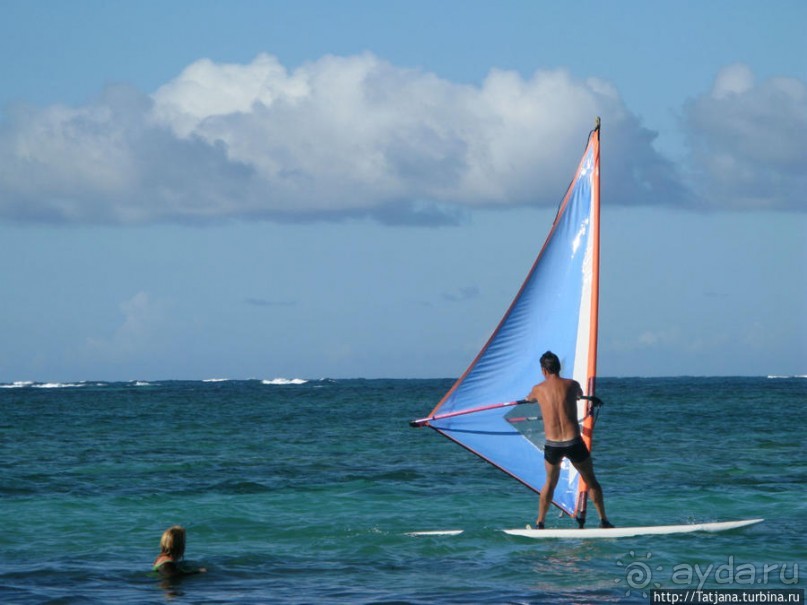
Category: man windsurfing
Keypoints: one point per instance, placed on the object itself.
(558, 400)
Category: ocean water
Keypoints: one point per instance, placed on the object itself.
(298, 491)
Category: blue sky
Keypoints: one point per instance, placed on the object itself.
(196, 189)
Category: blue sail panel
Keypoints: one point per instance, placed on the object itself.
(552, 311)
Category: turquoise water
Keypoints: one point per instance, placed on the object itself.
(304, 493)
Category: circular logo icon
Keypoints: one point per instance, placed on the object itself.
(638, 573)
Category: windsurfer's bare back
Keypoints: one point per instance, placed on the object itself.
(558, 400)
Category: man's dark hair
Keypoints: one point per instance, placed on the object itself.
(550, 362)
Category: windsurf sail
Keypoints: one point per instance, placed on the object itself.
(555, 309)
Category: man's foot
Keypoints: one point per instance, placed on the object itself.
(605, 524)
(540, 525)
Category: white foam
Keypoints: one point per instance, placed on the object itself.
(216, 380)
(58, 385)
(793, 376)
(17, 385)
(276, 381)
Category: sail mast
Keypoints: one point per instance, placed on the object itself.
(587, 428)
(595, 277)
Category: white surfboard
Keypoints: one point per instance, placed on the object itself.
(625, 532)
(440, 532)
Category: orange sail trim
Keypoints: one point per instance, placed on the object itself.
(590, 387)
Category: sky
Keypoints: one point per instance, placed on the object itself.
(259, 189)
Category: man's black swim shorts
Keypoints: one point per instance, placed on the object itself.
(574, 449)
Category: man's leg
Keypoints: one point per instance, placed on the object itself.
(548, 490)
(586, 470)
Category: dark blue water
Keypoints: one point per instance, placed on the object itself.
(304, 493)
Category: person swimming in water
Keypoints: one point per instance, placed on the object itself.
(169, 563)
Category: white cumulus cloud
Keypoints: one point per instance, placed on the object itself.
(143, 320)
(336, 137)
(748, 142)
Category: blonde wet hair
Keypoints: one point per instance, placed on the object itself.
(172, 542)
